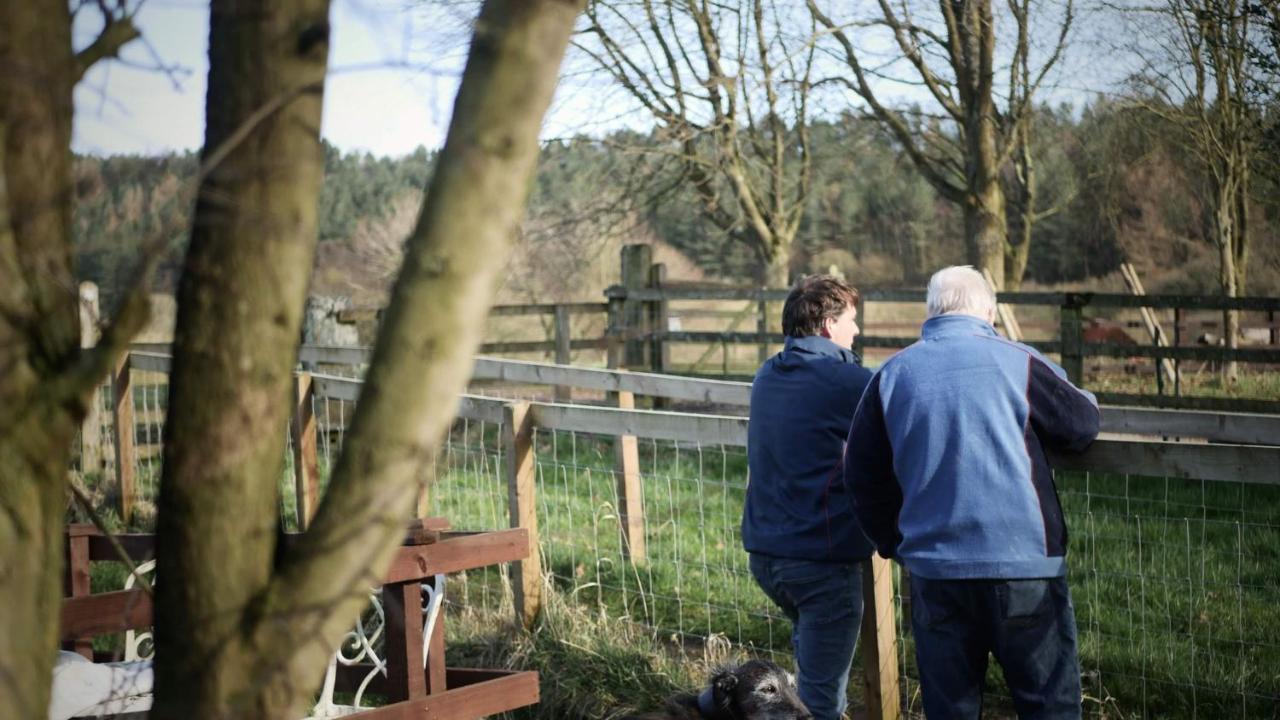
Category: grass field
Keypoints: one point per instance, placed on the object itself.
(1175, 582)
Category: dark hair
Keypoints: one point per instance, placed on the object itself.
(813, 300)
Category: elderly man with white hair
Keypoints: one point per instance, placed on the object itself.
(946, 462)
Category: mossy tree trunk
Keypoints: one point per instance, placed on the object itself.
(243, 627)
(46, 380)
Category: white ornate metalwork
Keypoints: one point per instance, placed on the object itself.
(140, 645)
(364, 643)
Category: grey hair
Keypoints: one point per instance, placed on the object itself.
(960, 289)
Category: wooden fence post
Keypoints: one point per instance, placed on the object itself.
(517, 443)
(630, 489)
(1177, 342)
(880, 640)
(563, 336)
(1071, 330)
(614, 333)
(91, 428)
(659, 352)
(306, 468)
(402, 613)
(76, 578)
(636, 260)
(122, 416)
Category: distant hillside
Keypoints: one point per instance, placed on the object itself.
(1111, 193)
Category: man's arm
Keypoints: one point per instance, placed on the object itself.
(1063, 416)
(868, 473)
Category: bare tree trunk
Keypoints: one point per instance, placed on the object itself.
(240, 304)
(45, 378)
(984, 225)
(1224, 227)
(967, 171)
(35, 281)
(774, 271)
(244, 628)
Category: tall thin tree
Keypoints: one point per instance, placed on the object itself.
(964, 148)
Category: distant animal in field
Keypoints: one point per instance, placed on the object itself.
(1096, 332)
(754, 690)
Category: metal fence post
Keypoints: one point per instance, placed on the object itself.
(521, 471)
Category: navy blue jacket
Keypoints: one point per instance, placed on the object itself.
(946, 457)
(802, 401)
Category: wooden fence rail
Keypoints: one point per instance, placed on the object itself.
(1254, 456)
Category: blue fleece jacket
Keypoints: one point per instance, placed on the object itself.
(946, 456)
(802, 401)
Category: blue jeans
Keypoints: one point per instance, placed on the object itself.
(823, 600)
(1030, 627)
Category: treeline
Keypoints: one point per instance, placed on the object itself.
(1113, 186)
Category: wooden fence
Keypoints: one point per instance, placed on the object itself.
(1226, 447)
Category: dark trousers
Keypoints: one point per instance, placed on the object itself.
(1028, 625)
(824, 603)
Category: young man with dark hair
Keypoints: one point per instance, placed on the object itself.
(805, 545)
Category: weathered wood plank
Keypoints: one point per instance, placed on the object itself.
(1109, 300)
(1192, 402)
(547, 309)
(140, 548)
(306, 467)
(104, 613)
(1228, 463)
(522, 504)
(1235, 428)
(879, 640)
(456, 552)
(630, 489)
(668, 386)
(489, 695)
(402, 610)
(1254, 355)
(76, 583)
(660, 425)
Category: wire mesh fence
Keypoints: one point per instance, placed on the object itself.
(1174, 580)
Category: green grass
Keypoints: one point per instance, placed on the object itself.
(1252, 384)
(1175, 582)
(592, 664)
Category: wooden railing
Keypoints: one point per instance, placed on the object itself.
(1228, 447)
(412, 685)
(644, 343)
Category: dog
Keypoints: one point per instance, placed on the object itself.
(754, 690)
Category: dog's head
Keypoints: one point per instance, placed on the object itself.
(754, 690)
